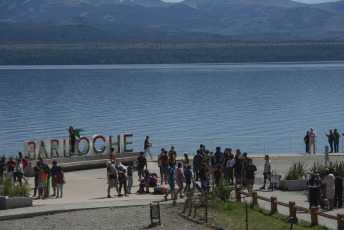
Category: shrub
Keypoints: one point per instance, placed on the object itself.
(222, 192)
(11, 189)
(297, 171)
(334, 167)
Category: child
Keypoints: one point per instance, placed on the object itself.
(130, 171)
(43, 182)
(230, 166)
(249, 174)
(188, 178)
(179, 179)
(59, 176)
(218, 174)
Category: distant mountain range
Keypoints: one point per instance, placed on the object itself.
(157, 21)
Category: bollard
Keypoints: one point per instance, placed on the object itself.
(340, 221)
(206, 207)
(314, 215)
(185, 205)
(254, 198)
(190, 210)
(292, 209)
(194, 216)
(238, 194)
(273, 204)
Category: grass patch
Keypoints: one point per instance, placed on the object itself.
(232, 216)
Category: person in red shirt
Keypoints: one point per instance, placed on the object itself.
(11, 164)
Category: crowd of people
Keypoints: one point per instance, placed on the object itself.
(333, 140)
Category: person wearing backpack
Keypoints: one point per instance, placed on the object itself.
(122, 179)
(164, 167)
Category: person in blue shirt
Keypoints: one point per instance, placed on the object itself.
(188, 178)
(218, 154)
(170, 181)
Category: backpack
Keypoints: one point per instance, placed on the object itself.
(158, 190)
(155, 177)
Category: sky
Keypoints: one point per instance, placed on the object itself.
(303, 1)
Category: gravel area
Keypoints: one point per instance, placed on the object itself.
(106, 218)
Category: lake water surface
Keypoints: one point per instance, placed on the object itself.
(183, 100)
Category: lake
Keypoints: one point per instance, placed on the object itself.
(173, 101)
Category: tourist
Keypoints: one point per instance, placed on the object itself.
(113, 155)
(141, 163)
(172, 156)
(53, 178)
(249, 175)
(2, 166)
(202, 149)
(338, 193)
(164, 167)
(148, 182)
(336, 142)
(60, 180)
(312, 137)
(306, 140)
(207, 160)
(197, 164)
(238, 167)
(36, 172)
(147, 146)
(130, 172)
(122, 178)
(179, 179)
(218, 174)
(204, 177)
(170, 180)
(224, 159)
(185, 161)
(244, 165)
(313, 185)
(113, 181)
(329, 181)
(11, 164)
(331, 139)
(188, 178)
(44, 174)
(267, 171)
(19, 173)
(218, 155)
(71, 132)
(25, 162)
(230, 169)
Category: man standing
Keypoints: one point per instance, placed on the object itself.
(306, 140)
(267, 171)
(147, 147)
(113, 182)
(338, 194)
(312, 136)
(330, 187)
(53, 178)
(331, 139)
(197, 164)
(170, 180)
(142, 162)
(336, 142)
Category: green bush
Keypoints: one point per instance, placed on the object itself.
(222, 192)
(297, 171)
(11, 189)
(319, 167)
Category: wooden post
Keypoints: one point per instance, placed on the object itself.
(195, 210)
(292, 209)
(273, 204)
(238, 194)
(314, 215)
(190, 210)
(254, 198)
(206, 207)
(246, 217)
(340, 221)
(185, 206)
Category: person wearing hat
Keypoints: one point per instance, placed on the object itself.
(312, 138)
(329, 181)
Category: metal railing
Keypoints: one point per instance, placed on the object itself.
(250, 144)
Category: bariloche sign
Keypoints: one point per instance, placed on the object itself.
(61, 147)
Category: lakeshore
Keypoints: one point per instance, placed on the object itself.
(86, 189)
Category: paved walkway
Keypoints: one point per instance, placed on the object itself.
(87, 189)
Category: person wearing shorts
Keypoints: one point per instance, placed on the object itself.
(53, 178)
(170, 181)
(141, 163)
(188, 178)
(179, 179)
(163, 166)
(44, 173)
(113, 182)
(249, 175)
(267, 171)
